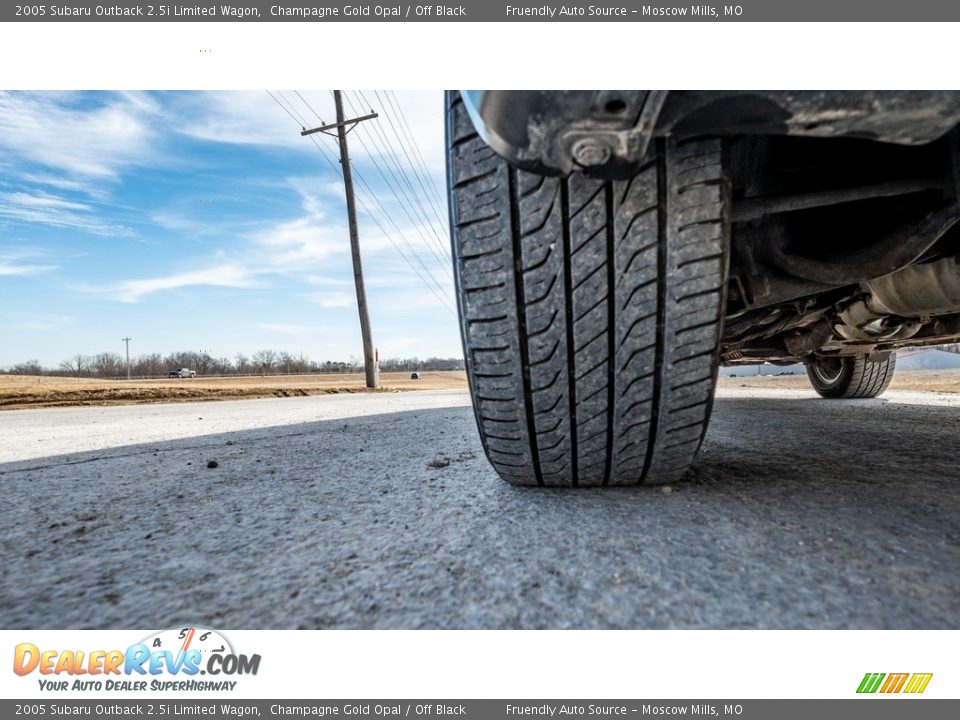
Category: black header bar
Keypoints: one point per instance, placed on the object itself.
(486, 11)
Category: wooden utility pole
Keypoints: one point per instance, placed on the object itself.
(343, 127)
(127, 341)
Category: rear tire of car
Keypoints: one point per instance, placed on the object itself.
(847, 377)
(590, 310)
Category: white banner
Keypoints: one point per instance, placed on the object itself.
(470, 664)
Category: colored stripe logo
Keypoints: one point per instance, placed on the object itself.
(912, 683)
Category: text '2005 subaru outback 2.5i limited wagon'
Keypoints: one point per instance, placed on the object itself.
(612, 248)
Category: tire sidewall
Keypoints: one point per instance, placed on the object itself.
(837, 387)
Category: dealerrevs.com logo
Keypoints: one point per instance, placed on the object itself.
(911, 683)
(168, 660)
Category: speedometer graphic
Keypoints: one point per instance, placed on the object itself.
(183, 639)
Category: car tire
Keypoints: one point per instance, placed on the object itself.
(590, 310)
(845, 377)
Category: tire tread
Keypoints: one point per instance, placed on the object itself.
(594, 306)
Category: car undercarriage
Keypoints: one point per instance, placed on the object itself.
(844, 205)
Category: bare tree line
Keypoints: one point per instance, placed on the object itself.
(262, 362)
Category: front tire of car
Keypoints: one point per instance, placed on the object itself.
(591, 310)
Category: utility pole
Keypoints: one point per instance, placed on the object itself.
(341, 126)
(127, 341)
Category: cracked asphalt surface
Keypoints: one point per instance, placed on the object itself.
(380, 511)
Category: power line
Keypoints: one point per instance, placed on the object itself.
(403, 147)
(391, 154)
(444, 262)
(285, 109)
(442, 241)
(441, 295)
(435, 190)
(408, 132)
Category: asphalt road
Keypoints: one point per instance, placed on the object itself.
(326, 512)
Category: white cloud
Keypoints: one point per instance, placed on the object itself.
(254, 118)
(63, 183)
(331, 299)
(325, 280)
(132, 291)
(56, 211)
(290, 248)
(242, 118)
(63, 131)
(299, 243)
(24, 261)
(110, 133)
(180, 223)
(47, 202)
(10, 268)
(302, 243)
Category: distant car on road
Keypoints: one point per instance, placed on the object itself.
(415, 376)
(182, 373)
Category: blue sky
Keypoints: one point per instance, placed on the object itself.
(203, 221)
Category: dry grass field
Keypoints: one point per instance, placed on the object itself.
(20, 391)
(937, 381)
